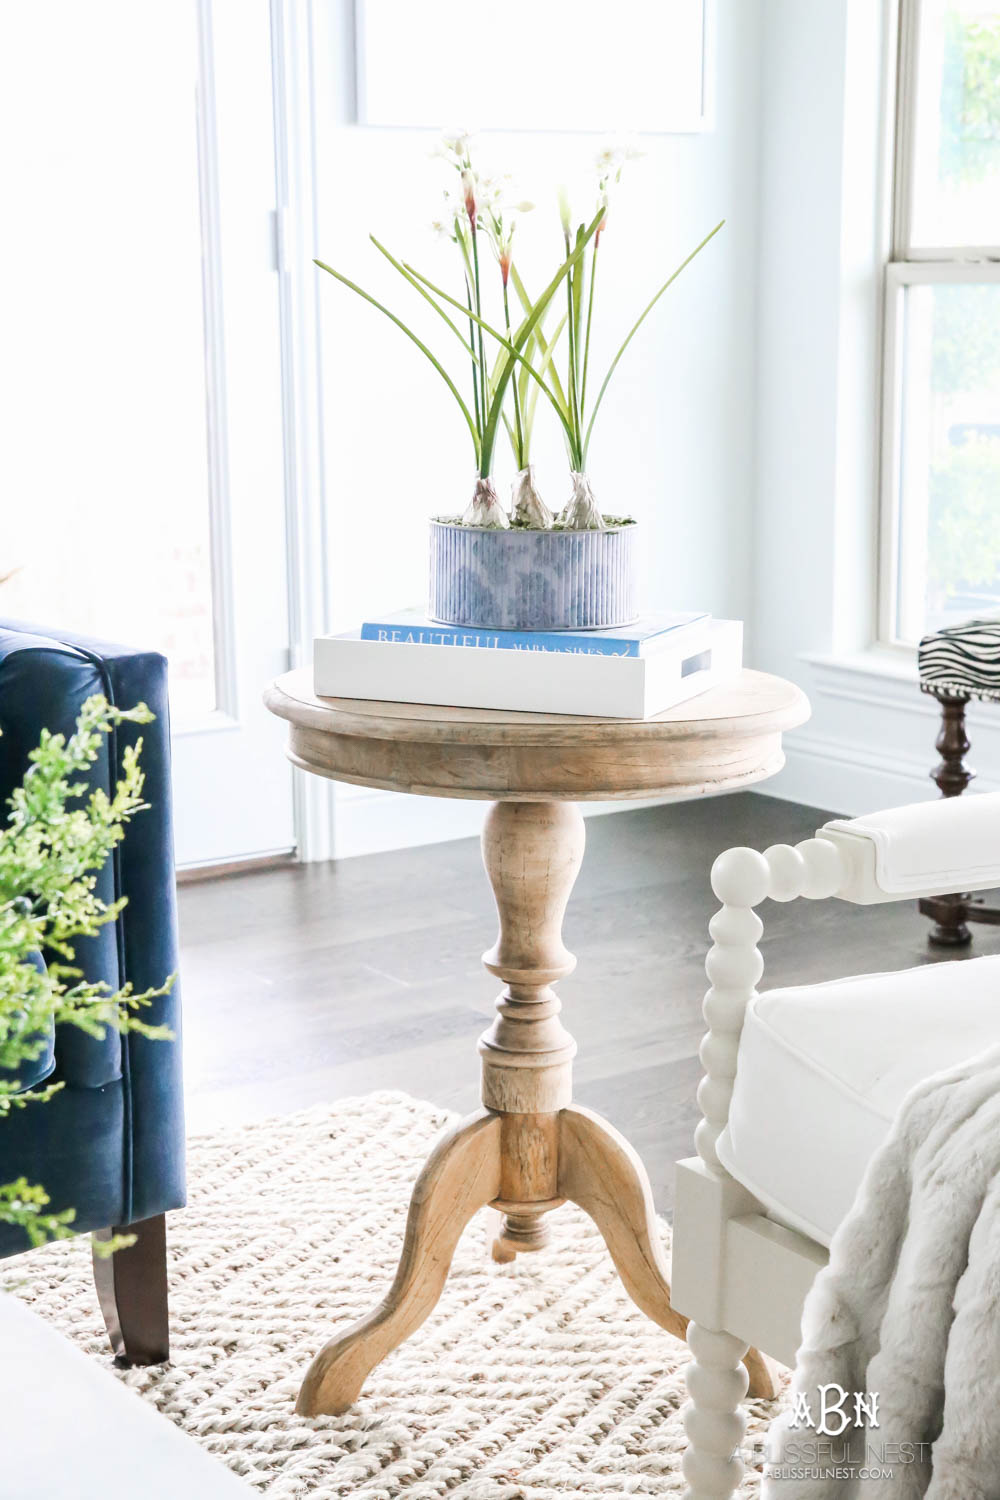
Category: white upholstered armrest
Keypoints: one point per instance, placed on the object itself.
(926, 849)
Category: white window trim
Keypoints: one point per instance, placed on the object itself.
(900, 275)
(907, 70)
(907, 266)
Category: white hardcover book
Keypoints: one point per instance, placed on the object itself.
(612, 687)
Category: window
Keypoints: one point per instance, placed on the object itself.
(105, 455)
(941, 400)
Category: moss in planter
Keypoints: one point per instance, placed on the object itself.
(609, 521)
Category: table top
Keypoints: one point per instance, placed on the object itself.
(727, 737)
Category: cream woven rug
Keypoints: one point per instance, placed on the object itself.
(529, 1381)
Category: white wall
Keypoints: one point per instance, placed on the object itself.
(824, 171)
(676, 444)
(743, 431)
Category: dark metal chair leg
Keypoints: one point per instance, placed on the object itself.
(952, 776)
(132, 1291)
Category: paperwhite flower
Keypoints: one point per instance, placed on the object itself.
(612, 157)
(495, 192)
(608, 159)
(454, 146)
(470, 192)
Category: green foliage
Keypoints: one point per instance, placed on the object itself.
(572, 411)
(523, 357)
(970, 99)
(491, 389)
(22, 1203)
(59, 835)
(628, 339)
(964, 518)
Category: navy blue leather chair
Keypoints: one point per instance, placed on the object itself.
(110, 1143)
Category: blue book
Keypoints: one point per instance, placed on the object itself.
(409, 626)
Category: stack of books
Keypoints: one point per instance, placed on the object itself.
(630, 673)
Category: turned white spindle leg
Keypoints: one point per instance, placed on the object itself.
(713, 1418)
(740, 879)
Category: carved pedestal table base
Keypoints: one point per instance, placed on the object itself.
(529, 1149)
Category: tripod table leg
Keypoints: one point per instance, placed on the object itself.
(601, 1172)
(461, 1175)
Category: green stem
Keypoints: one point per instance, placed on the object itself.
(472, 341)
(543, 345)
(510, 351)
(484, 470)
(517, 404)
(408, 276)
(513, 351)
(480, 397)
(590, 316)
(635, 329)
(476, 436)
(574, 403)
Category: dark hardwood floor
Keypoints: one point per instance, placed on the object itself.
(315, 982)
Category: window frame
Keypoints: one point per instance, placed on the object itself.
(908, 266)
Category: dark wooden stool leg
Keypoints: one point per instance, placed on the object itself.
(132, 1291)
(951, 773)
(952, 777)
(949, 914)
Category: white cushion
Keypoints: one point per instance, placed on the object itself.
(949, 844)
(823, 1068)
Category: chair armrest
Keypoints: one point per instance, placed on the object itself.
(925, 849)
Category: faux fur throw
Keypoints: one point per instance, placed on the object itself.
(908, 1312)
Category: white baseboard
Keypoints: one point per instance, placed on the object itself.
(847, 779)
(870, 742)
(368, 821)
(869, 745)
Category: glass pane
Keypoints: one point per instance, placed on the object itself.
(956, 166)
(949, 531)
(104, 462)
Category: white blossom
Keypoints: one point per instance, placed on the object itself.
(612, 157)
(455, 146)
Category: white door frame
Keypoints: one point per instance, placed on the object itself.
(253, 822)
(293, 42)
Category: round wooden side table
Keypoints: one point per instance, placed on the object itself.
(529, 1149)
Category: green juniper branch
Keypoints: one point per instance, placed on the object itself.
(59, 834)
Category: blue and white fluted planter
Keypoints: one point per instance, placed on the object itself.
(532, 580)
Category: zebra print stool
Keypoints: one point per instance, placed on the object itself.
(955, 664)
